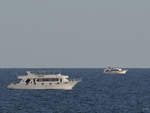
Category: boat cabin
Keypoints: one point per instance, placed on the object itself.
(46, 79)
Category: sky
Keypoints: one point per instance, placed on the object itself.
(74, 33)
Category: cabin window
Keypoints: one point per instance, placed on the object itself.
(27, 81)
(34, 81)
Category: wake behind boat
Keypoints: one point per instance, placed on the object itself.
(33, 81)
(114, 70)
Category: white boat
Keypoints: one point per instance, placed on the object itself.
(114, 70)
(33, 81)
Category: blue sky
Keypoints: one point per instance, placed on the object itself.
(74, 33)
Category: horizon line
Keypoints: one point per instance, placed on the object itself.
(67, 67)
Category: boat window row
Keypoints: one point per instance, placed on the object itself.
(50, 83)
(114, 70)
(47, 79)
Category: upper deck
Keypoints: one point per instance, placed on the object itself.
(32, 75)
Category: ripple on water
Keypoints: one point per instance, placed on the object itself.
(96, 93)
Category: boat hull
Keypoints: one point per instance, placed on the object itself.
(117, 72)
(65, 86)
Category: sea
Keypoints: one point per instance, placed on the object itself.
(96, 93)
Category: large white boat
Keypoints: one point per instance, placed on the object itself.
(114, 70)
(33, 81)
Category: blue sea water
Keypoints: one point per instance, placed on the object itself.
(96, 93)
